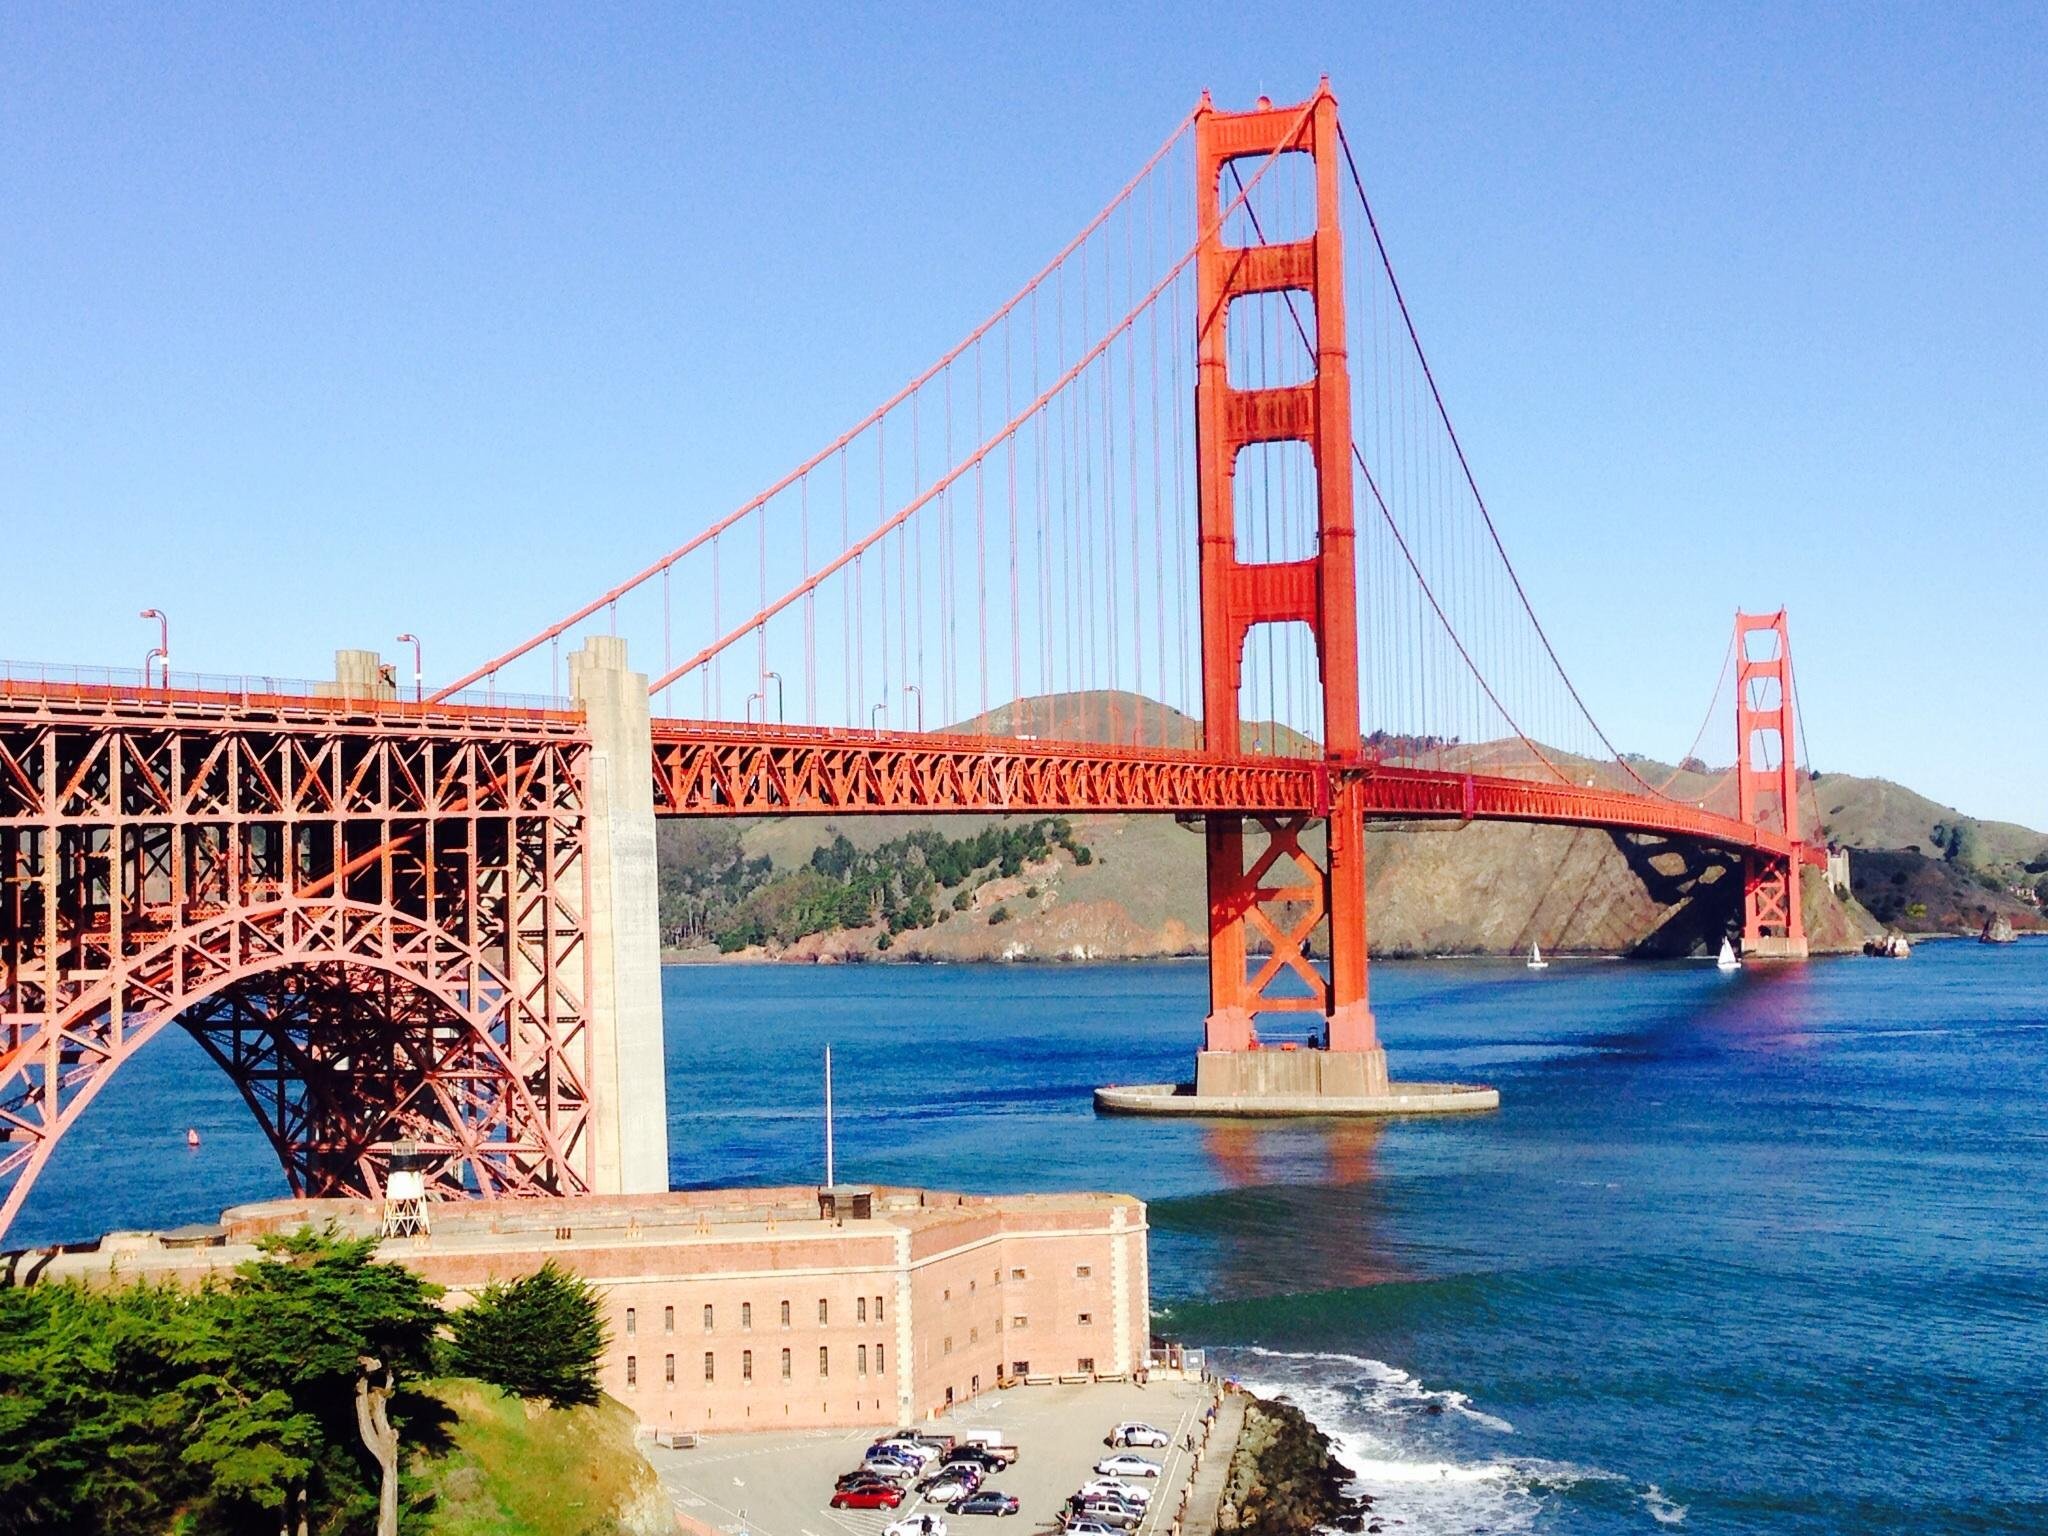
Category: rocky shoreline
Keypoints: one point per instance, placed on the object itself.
(1283, 1480)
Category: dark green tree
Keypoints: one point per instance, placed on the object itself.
(539, 1336)
(319, 1320)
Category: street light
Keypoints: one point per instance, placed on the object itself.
(419, 692)
(749, 715)
(780, 717)
(163, 646)
(913, 688)
(875, 714)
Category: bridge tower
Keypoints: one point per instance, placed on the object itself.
(1283, 893)
(1767, 784)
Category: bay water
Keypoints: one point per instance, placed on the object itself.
(1763, 1252)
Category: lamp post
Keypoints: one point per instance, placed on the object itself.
(749, 716)
(162, 652)
(780, 717)
(913, 688)
(419, 692)
(875, 716)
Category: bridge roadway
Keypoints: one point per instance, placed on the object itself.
(715, 769)
(710, 768)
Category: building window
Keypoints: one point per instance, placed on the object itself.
(1020, 1321)
(860, 1309)
(668, 1319)
(973, 1286)
(949, 1344)
(632, 1370)
(707, 1317)
(710, 1374)
(974, 1335)
(1085, 1319)
(1020, 1367)
(668, 1368)
(824, 1361)
(860, 1360)
(1016, 1274)
(949, 1294)
(824, 1312)
(879, 1367)
(785, 1365)
(878, 1309)
(1083, 1271)
(632, 1322)
(785, 1314)
(746, 1314)
(746, 1365)
(1085, 1363)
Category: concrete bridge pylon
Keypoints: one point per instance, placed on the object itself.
(628, 1070)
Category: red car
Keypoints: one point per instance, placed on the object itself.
(868, 1496)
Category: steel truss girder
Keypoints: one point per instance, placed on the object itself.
(387, 903)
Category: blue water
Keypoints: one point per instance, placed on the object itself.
(1761, 1253)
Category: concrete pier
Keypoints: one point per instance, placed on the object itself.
(628, 1078)
(1398, 1099)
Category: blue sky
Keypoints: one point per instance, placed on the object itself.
(319, 327)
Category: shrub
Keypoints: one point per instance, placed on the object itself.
(1000, 915)
(539, 1336)
(1084, 855)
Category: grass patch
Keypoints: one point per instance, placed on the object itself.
(518, 1468)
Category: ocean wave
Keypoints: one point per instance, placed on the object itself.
(1405, 1448)
(1397, 1386)
(1661, 1508)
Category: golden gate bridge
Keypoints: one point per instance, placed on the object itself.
(1198, 465)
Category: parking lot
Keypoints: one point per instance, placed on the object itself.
(780, 1484)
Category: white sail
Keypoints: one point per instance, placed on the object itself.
(1536, 960)
(1728, 962)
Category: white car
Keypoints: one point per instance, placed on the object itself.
(947, 1489)
(1088, 1528)
(1126, 1466)
(917, 1525)
(1110, 1488)
(1134, 1433)
(916, 1450)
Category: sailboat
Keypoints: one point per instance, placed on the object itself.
(1728, 962)
(1536, 960)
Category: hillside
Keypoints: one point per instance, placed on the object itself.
(517, 1468)
(1128, 887)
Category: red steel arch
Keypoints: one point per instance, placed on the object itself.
(371, 915)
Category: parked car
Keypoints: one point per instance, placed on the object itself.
(1133, 1432)
(1126, 1466)
(975, 1455)
(993, 1441)
(988, 1501)
(887, 1467)
(1108, 1500)
(917, 1525)
(1080, 1525)
(1109, 1487)
(945, 1490)
(861, 1475)
(908, 1450)
(1111, 1512)
(868, 1496)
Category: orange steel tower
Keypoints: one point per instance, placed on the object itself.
(1283, 893)
(1767, 784)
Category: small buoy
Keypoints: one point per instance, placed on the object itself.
(191, 1138)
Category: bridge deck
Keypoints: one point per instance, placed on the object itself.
(704, 768)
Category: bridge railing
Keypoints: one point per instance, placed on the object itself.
(133, 684)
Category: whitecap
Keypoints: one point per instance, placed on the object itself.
(1663, 1509)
